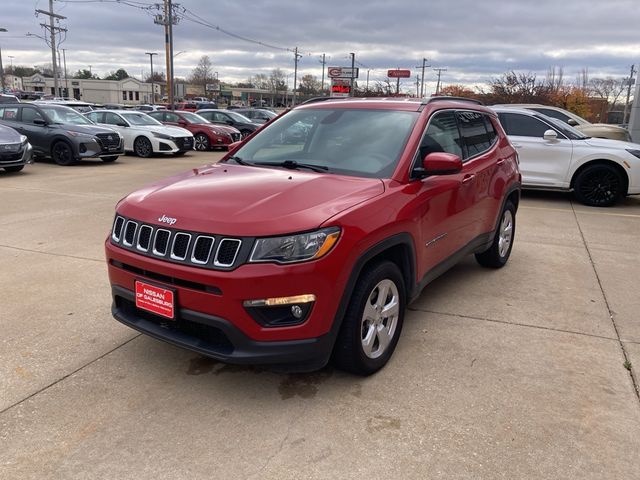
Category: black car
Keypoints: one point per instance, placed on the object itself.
(62, 133)
(15, 150)
(257, 115)
(242, 123)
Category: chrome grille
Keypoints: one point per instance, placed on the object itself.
(178, 246)
(227, 252)
(108, 140)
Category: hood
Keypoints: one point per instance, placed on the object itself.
(166, 129)
(9, 135)
(86, 129)
(608, 143)
(248, 201)
(223, 128)
(605, 130)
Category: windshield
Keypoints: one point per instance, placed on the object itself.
(567, 130)
(139, 119)
(194, 118)
(237, 117)
(363, 143)
(65, 115)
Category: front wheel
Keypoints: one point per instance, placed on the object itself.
(599, 185)
(142, 147)
(62, 154)
(109, 159)
(498, 254)
(373, 321)
(202, 143)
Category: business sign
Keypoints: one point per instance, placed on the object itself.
(340, 87)
(343, 72)
(212, 87)
(397, 73)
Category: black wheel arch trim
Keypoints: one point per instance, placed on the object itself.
(602, 161)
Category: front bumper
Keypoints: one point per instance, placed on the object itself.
(93, 148)
(175, 145)
(23, 157)
(220, 339)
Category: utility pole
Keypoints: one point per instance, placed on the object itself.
(168, 20)
(423, 66)
(52, 31)
(353, 66)
(66, 80)
(626, 105)
(368, 70)
(153, 90)
(296, 56)
(323, 62)
(439, 70)
(1, 69)
(417, 85)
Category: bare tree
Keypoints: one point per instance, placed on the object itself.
(203, 73)
(609, 89)
(309, 85)
(554, 79)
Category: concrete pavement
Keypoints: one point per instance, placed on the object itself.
(516, 373)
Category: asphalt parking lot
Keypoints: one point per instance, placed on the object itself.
(515, 373)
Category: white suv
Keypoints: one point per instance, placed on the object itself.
(555, 156)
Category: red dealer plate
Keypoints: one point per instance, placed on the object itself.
(154, 299)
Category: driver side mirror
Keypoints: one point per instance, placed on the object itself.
(572, 122)
(39, 121)
(229, 122)
(182, 123)
(439, 163)
(121, 124)
(550, 135)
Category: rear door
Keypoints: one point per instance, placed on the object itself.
(39, 135)
(543, 163)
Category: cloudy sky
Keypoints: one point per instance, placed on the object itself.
(474, 40)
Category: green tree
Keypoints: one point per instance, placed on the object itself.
(309, 85)
(119, 74)
(84, 74)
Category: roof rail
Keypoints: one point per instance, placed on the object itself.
(455, 99)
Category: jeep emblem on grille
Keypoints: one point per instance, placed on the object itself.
(169, 220)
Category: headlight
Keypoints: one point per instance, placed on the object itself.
(216, 132)
(162, 135)
(295, 248)
(23, 139)
(635, 153)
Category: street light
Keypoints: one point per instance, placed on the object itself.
(1, 69)
(153, 90)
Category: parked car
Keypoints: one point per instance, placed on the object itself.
(62, 133)
(598, 130)
(78, 106)
(144, 135)
(15, 150)
(233, 119)
(257, 115)
(186, 106)
(292, 254)
(6, 98)
(206, 105)
(556, 156)
(206, 135)
(150, 108)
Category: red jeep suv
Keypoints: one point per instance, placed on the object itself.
(306, 242)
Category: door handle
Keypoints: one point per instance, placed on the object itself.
(500, 162)
(468, 178)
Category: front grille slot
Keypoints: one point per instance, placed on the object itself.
(161, 243)
(108, 140)
(180, 246)
(227, 252)
(144, 238)
(202, 250)
(129, 233)
(117, 229)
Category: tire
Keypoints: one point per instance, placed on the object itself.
(498, 254)
(110, 159)
(599, 185)
(15, 169)
(62, 153)
(201, 142)
(142, 147)
(360, 347)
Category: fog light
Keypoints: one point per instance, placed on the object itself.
(280, 311)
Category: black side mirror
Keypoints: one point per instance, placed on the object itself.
(39, 121)
(122, 124)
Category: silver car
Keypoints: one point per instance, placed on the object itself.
(15, 150)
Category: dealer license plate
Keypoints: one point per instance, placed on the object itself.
(154, 299)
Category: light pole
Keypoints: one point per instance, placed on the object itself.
(1, 69)
(153, 90)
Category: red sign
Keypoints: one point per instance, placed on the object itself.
(155, 300)
(399, 73)
(340, 89)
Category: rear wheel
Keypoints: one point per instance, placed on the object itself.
(498, 254)
(373, 322)
(202, 142)
(599, 185)
(110, 159)
(142, 147)
(14, 169)
(62, 154)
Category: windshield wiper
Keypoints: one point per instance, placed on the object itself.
(293, 165)
(239, 161)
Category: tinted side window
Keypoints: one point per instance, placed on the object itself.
(474, 132)
(96, 117)
(442, 135)
(29, 114)
(170, 117)
(491, 130)
(523, 125)
(112, 118)
(553, 114)
(9, 113)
